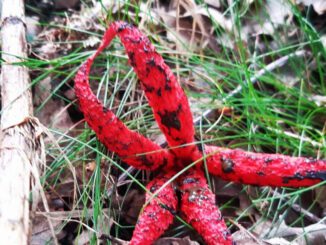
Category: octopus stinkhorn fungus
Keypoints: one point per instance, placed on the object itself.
(172, 113)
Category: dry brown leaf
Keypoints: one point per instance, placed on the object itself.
(54, 113)
(312, 234)
(267, 18)
(278, 241)
(190, 23)
(41, 232)
(242, 237)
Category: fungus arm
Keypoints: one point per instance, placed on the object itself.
(157, 215)
(199, 209)
(165, 95)
(133, 148)
(264, 169)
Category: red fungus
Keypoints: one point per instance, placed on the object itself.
(198, 205)
(264, 169)
(158, 214)
(172, 112)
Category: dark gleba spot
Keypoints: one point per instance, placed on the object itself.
(190, 180)
(226, 234)
(132, 39)
(159, 92)
(153, 188)
(167, 85)
(100, 129)
(227, 165)
(148, 88)
(170, 209)
(145, 161)
(170, 118)
(124, 26)
(321, 175)
(151, 62)
(161, 69)
(146, 49)
(316, 175)
(132, 59)
(268, 160)
(105, 109)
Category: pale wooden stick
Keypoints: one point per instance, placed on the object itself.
(20, 142)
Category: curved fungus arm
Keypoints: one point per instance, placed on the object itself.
(157, 215)
(165, 95)
(264, 169)
(130, 146)
(199, 209)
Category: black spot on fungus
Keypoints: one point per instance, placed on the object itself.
(153, 188)
(167, 85)
(152, 215)
(285, 180)
(316, 175)
(163, 165)
(170, 209)
(170, 118)
(123, 27)
(159, 92)
(148, 88)
(132, 40)
(132, 59)
(105, 109)
(190, 180)
(226, 234)
(176, 138)
(268, 160)
(165, 162)
(200, 147)
(298, 176)
(146, 49)
(145, 162)
(147, 71)
(321, 175)
(123, 146)
(260, 173)
(151, 62)
(160, 68)
(227, 165)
